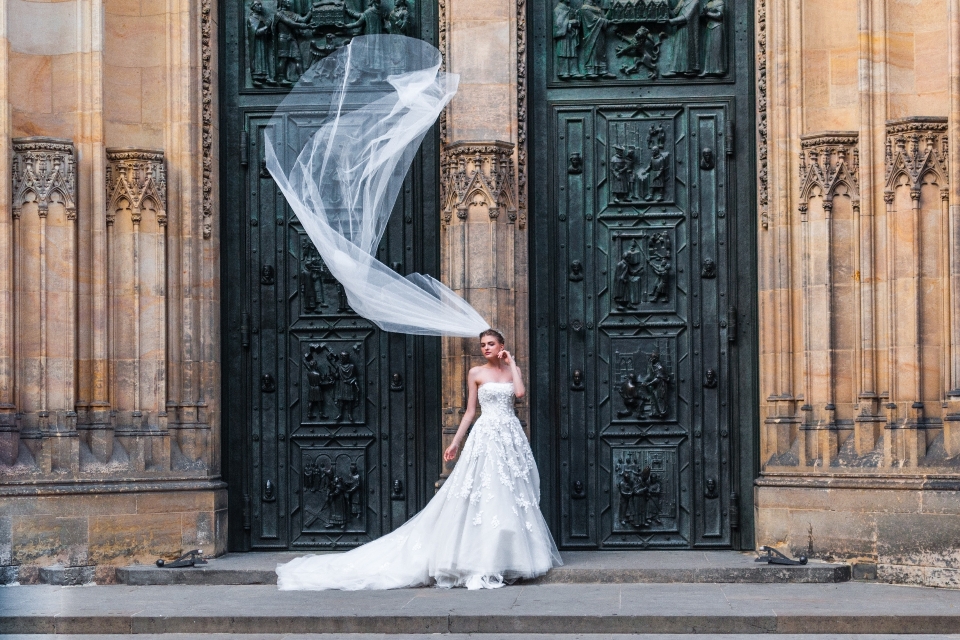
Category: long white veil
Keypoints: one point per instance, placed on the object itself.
(384, 92)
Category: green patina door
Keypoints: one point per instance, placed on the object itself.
(642, 174)
(331, 426)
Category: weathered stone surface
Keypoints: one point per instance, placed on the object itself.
(66, 576)
(9, 574)
(49, 539)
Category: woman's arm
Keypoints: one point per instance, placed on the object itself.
(518, 389)
(467, 419)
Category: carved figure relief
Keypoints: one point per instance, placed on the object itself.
(593, 52)
(643, 481)
(640, 169)
(687, 40)
(714, 41)
(313, 274)
(642, 274)
(259, 29)
(644, 393)
(320, 293)
(332, 379)
(346, 388)
(282, 45)
(332, 491)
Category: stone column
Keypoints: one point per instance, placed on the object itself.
(483, 238)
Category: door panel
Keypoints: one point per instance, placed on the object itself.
(636, 273)
(331, 425)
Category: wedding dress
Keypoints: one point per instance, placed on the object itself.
(482, 529)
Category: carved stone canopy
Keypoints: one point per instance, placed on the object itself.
(139, 177)
(916, 147)
(829, 160)
(44, 171)
(478, 173)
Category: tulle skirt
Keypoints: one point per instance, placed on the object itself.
(482, 529)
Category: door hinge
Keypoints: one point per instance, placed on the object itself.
(734, 510)
(245, 330)
(246, 512)
(244, 147)
(731, 324)
(728, 136)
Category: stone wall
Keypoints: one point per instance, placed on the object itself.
(859, 272)
(109, 288)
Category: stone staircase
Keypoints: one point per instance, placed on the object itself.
(595, 595)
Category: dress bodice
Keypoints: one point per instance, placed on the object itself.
(496, 399)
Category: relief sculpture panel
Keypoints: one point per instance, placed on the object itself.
(645, 485)
(284, 38)
(641, 40)
(642, 275)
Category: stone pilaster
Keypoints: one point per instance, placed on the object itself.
(916, 193)
(45, 300)
(136, 266)
(479, 258)
(9, 436)
(828, 204)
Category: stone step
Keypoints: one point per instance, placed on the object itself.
(580, 567)
(549, 609)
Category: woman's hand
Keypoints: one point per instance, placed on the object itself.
(451, 452)
(506, 357)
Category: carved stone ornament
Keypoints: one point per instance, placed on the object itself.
(827, 161)
(478, 173)
(137, 176)
(763, 180)
(521, 31)
(206, 96)
(916, 147)
(44, 171)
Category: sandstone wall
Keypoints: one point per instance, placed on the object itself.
(109, 288)
(860, 282)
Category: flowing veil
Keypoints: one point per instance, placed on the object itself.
(381, 94)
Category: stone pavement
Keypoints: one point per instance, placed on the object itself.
(612, 567)
(550, 609)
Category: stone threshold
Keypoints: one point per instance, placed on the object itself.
(580, 567)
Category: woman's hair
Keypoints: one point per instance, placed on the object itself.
(493, 332)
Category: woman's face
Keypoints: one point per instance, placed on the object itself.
(490, 347)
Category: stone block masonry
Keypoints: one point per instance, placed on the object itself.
(859, 264)
(109, 343)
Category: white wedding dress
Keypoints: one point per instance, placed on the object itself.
(482, 529)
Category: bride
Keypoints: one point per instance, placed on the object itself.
(481, 530)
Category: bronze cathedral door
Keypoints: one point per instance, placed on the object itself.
(642, 254)
(331, 426)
